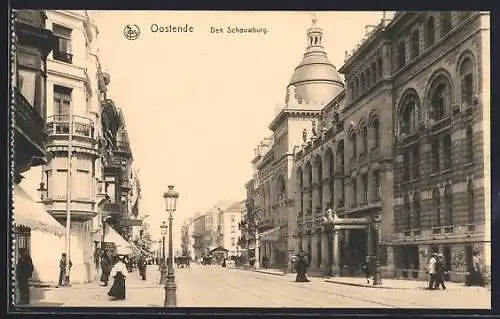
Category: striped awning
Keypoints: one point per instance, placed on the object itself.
(270, 235)
(27, 212)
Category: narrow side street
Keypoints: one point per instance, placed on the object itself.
(214, 286)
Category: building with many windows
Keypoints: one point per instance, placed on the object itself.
(229, 217)
(401, 154)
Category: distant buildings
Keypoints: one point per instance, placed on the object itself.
(403, 146)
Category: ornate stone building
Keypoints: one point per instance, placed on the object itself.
(401, 153)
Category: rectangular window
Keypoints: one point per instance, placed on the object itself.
(59, 183)
(27, 85)
(376, 180)
(233, 218)
(415, 44)
(354, 191)
(62, 52)
(435, 155)
(84, 184)
(62, 100)
(233, 241)
(401, 54)
(365, 187)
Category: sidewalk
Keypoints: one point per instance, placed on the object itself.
(361, 281)
(139, 293)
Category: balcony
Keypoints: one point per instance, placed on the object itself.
(29, 122)
(63, 56)
(58, 126)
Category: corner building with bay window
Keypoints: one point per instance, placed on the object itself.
(404, 147)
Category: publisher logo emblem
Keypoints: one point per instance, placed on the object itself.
(131, 32)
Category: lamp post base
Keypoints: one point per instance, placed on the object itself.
(163, 274)
(377, 279)
(170, 292)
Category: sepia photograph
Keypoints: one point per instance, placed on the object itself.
(250, 159)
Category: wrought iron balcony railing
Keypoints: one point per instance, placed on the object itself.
(59, 125)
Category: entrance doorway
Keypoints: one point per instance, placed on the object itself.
(358, 248)
(447, 262)
(410, 261)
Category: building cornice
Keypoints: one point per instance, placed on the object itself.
(292, 113)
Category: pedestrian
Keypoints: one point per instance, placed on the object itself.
(431, 270)
(142, 267)
(301, 268)
(62, 270)
(118, 273)
(476, 275)
(365, 267)
(106, 264)
(224, 263)
(24, 271)
(440, 272)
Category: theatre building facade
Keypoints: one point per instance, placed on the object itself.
(401, 155)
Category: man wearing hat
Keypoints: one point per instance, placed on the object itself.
(431, 270)
(62, 269)
(24, 271)
(440, 271)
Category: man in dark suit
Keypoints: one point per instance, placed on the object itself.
(24, 271)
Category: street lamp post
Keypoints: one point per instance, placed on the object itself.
(170, 287)
(377, 279)
(163, 266)
(257, 243)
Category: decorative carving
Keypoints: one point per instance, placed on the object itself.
(304, 135)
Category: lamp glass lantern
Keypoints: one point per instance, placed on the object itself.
(164, 228)
(171, 199)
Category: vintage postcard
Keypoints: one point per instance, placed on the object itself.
(332, 159)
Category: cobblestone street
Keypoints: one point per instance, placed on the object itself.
(213, 286)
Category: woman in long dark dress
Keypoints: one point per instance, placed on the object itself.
(119, 273)
(301, 268)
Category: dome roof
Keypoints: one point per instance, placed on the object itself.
(315, 78)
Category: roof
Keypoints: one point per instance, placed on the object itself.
(315, 78)
(27, 212)
(220, 248)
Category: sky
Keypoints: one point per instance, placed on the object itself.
(197, 104)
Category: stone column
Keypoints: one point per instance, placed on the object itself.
(314, 253)
(336, 253)
(324, 250)
(257, 251)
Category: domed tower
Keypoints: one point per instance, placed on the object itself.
(315, 78)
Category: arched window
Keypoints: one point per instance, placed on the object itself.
(319, 174)
(445, 22)
(340, 157)
(416, 210)
(300, 178)
(309, 182)
(436, 207)
(356, 87)
(406, 165)
(469, 144)
(467, 81)
(380, 68)
(351, 87)
(401, 54)
(368, 79)
(362, 88)
(409, 114)
(374, 73)
(281, 189)
(415, 44)
(448, 205)
(430, 34)
(440, 98)
(364, 181)
(376, 133)
(470, 202)
(364, 136)
(447, 159)
(407, 211)
(353, 145)
(329, 160)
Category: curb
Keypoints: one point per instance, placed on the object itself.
(370, 286)
(261, 271)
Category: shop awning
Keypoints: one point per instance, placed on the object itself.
(123, 247)
(270, 235)
(217, 249)
(27, 212)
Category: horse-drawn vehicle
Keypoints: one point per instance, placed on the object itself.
(182, 261)
(207, 260)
